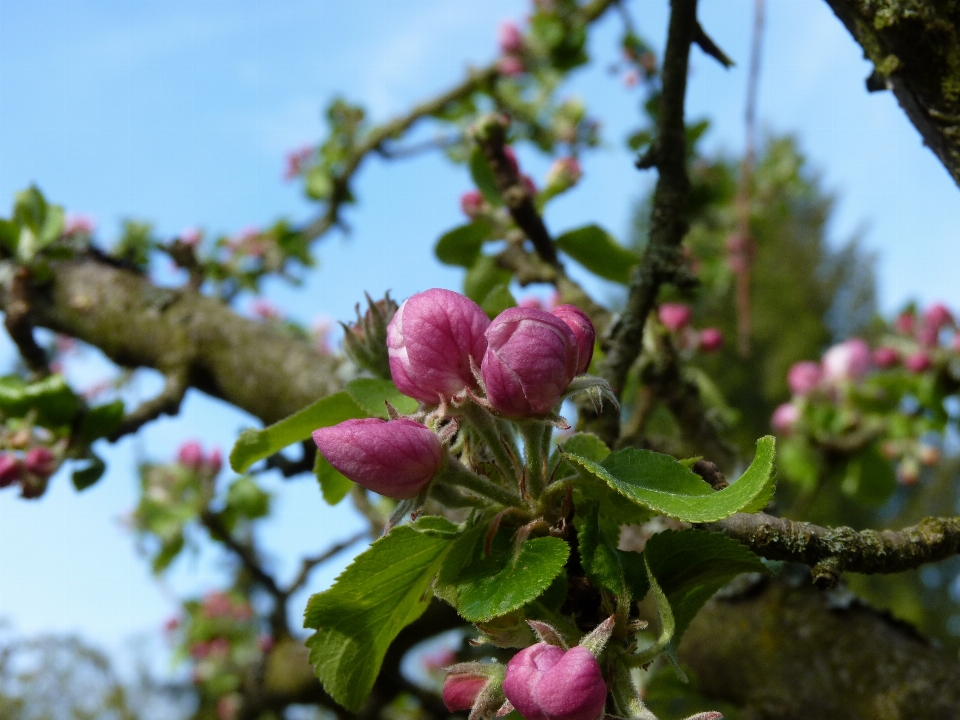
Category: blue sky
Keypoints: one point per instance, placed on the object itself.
(180, 112)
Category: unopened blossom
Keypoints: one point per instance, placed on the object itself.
(847, 361)
(432, 340)
(674, 316)
(460, 690)
(531, 357)
(511, 65)
(918, 362)
(582, 329)
(710, 340)
(905, 322)
(804, 377)
(784, 418)
(544, 682)
(394, 458)
(564, 173)
(472, 203)
(40, 461)
(10, 469)
(191, 455)
(509, 38)
(885, 357)
(938, 315)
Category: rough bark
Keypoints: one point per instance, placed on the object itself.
(915, 48)
(252, 365)
(797, 654)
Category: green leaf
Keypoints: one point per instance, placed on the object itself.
(483, 277)
(504, 581)
(246, 500)
(870, 478)
(620, 572)
(498, 300)
(595, 249)
(381, 592)
(40, 223)
(664, 485)
(254, 445)
(483, 177)
(690, 566)
(101, 421)
(333, 485)
(437, 527)
(87, 475)
(371, 394)
(461, 246)
(52, 399)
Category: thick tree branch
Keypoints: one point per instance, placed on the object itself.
(252, 365)
(832, 551)
(376, 138)
(18, 325)
(914, 45)
(668, 222)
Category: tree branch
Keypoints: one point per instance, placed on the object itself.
(166, 403)
(913, 46)
(253, 365)
(832, 551)
(308, 564)
(18, 325)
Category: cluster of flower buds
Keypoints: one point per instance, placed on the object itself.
(512, 46)
(445, 352)
(31, 470)
(191, 456)
(676, 318)
(365, 341)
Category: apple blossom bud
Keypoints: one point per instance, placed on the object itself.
(10, 470)
(511, 66)
(905, 322)
(847, 361)
(509, 38)
(545, 683)
(918, 362)
(472, 203)
(531, 357)
(711, 340)
(365, 342)
(395, 458)
(40, 461)
(938, 316)
(190, 455)
(784, 418)
(214, 462)
(582, 329)
(674, 316)
(460, 690)
(431, 341)
(563, 174)
(885, 357)
(803, 377)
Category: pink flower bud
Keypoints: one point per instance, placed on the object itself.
(531, 357)
(511, 65)
(784, 418)
(711, 340)
(214, 461)
(905, 322)
(430, 342)
(938, 316)
(190, 236)
(582, 329)
(10, 470)
(564, 173)
(40, 462)
(190, 455)
(674, 316)
(846, 361)
(803, 377)
(79, 225)
(509, 38)
(885, 357)
(918, 362)
(471, 202)
(955, 345)
(394, 458)
(545, 683)
(461, 690)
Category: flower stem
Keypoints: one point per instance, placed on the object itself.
(493, 435)
(456, 473)
(535, 436)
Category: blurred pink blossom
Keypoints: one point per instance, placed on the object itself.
(846, 361)
(511, 66)
(296, 159)
(77, 224)
(784, 418)
(509, 38)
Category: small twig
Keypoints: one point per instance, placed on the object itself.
(244, 552)
(707, 44)
(18, 325)
(166, 403)
(290, 468)
(308, 564)
(832, 551)
(399, 153)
